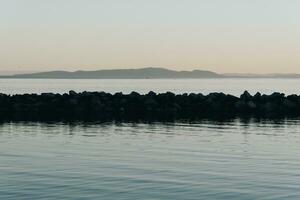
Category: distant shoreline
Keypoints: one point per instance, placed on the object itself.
(40, 78)
(143, 73)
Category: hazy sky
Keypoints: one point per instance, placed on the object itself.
(255, 36)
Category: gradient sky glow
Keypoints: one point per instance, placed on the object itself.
(247, 36)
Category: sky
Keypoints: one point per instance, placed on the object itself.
(225, 36)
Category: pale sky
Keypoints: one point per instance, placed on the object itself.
(244, 36)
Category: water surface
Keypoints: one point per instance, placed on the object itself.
(205, 86)
(205, 160)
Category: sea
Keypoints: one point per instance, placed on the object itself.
(236, 159)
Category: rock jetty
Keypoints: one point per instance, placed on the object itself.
(151, 106)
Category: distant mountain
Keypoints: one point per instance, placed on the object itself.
(144, 73)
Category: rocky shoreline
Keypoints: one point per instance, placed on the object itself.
(159, 107)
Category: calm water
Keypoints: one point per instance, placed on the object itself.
(231, 86)
(206, 160)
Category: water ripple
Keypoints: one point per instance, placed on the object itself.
(236, 159)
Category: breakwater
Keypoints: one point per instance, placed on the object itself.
(151, 106)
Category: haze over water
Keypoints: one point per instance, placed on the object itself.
(231, 86)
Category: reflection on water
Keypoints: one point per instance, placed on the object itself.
(236, 159)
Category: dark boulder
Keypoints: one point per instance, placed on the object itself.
(135, 106)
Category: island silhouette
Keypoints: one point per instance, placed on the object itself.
(142, 73)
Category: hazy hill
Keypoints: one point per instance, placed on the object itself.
(144, 73)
